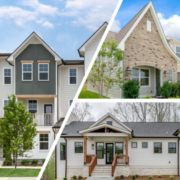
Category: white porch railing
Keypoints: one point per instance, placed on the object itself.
(42, 119)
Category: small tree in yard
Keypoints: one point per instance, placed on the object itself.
(106, 71)
(17, 130)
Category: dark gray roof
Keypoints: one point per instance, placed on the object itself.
(73, 62)
(148, 129)
(58, 123)
(5, 54)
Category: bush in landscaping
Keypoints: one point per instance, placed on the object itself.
(74, 177)
(171, 177)
(131, 89)
(166, 90)
(175, 89)
(137, 175)
(122, 176)
(34, 162)
(64, 178)
(147, 97)
(133, 177)
(8, 162)
(177, 97)
(159, 176)
(79, 177)
(150, 177)
(25, 162)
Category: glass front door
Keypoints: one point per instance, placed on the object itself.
(48, 117)
(109, 153)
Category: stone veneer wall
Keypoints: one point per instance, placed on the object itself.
(83, 171)
(144, 48)
(127, 171)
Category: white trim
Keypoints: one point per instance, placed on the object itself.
(7, 76)
(106, 134)
(43, 71)
(176, 49)
(72, 76)
(29, 71)
(43, 141)
(148, 25)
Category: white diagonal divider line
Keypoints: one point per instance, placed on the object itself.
(79, 89)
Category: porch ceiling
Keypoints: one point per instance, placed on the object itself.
(36, 96)
(106, 135)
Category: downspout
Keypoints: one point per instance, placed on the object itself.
(66, 159)
(178, 157)
(55, 153)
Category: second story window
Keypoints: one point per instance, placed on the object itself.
(72, 76)
(27, 72)
(32, 105)
(178, 51)
(43, 72)
(7, 75)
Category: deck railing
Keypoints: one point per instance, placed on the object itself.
(92, 161)
(42, 119)
(119, 159)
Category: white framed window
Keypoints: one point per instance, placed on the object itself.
(70, 102)
(43, 71)
(148, 25)
(5, 102)
(178, 51)
(7, 76)
(142, 75)
(32, 106)
(73, 76)
(170, 75)
(27, 71)
(43, 141)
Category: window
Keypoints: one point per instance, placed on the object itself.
(171, 75)
(43, 72)
(73, 76)
(44, 141)
(7, 76)
(32, 106)
(70, 102)
(141, 75)
(27, 74)
(109, 122)
(148, 25)
(5, 103)
(100, 150)
(134, 144)
(172, 147)
(78, 147)
(157, 147)
(178, 51)
(119, 148)
(144, 145)
(62, 151)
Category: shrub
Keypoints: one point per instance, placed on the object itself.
(122, 176)
(79, 177)
(147, 97)
(131, 89)
(177, 97)
(34, 162)
(166, 90)
(137, 175)
(159, 176)
(150, 177)
(64, 178)
(133, 177)
(25, 162)
(171, 177)
(8, 162)
(74, 177)
(175, 89)
(43, 161)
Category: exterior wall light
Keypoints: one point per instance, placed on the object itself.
(92, 146)
(165, 72)
(128, 69)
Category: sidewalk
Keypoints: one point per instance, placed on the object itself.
(18, 178)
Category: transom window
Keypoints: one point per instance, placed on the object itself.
(43, 72)
(100, 150)
(73, 76)
(27, 72)
(141, 75)
(171, 75)
(134, 144)
(7, 76)
(172, 147)
(144, 145)
(62, 151)
(157, 147)
(32, 106)
(119, 148)
(78, 147)
(44, 141)
(178, 51)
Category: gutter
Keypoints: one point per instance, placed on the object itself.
(66, 159)
(55, 154)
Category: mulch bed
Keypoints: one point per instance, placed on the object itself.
(165, 177)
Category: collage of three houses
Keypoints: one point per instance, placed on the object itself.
(89, 90)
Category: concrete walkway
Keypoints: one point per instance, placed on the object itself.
(18, 178)
(100, 178)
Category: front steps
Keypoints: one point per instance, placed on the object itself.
(2, 161)
(102, 171)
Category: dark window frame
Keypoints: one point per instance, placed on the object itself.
(122, 147)
(70, 76)
(61, 152)
(40, 141)
(100, 150)
(75, 147)
(7, 76)
(146, 146)
(157, 148)
(173, 148)
(132, 145)
(110, 123)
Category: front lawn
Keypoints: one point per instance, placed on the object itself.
(9, 172)
(85, 94)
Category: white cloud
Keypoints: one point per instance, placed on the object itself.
(115, 26)
(171, 25)
(48, 25)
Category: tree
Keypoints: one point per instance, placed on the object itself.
(17, 130)
(106, 71)
(82, 111)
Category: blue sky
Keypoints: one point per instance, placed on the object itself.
(168, 12)
(64, 24)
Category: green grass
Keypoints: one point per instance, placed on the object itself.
(9, 172)
(85, 94)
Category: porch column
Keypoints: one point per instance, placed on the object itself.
(85, 148)
(55, 110)
(105, 129)
(127, 159)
